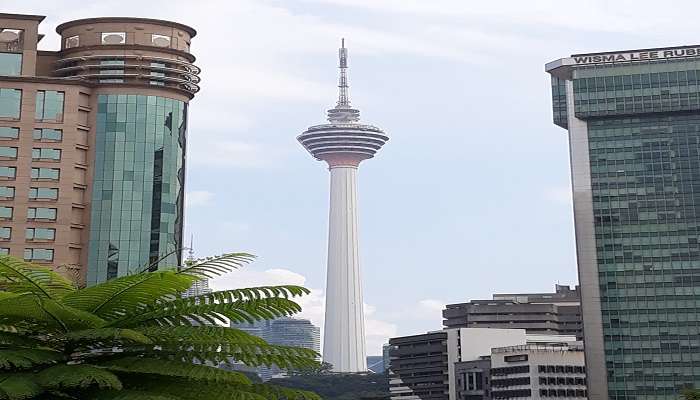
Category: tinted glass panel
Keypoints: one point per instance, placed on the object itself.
(41, 213)
(49, 105)
(45, 173)
(11, 64)
(7, 132)
(10, 101)
(8, 172)
(48, 134)
(5, 212)
(7, 191)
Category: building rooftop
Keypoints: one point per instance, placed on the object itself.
(27, 17)
(191, 31)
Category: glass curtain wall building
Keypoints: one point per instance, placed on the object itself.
(93, 143)
(633, 119)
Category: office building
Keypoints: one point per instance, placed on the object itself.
(538, 371)
(633, 121)
(343, 144)
(293, 332)
(454, 364)
(544, 313)
(92, 143)
(375, 364)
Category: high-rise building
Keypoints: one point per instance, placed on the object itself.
(343, 143)
(544, 313)
(92, 143)
(633, 120)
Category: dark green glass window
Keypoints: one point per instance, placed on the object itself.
(10, 102)
(49, 105)
(10, 64)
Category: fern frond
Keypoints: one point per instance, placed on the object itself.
(11, 359)
(210, 267)
(18, 387)
(126, 394)
(108, 335)
(15, 339)
(273, 392)
(261, 292)
(61, 377)
(39, 313)
(128, 294)
(184, 312)
(148, 366)
(21, 277)
(192, 390)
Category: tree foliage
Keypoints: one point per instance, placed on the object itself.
(136, 338)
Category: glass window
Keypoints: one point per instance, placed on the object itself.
(112, 71)
(40, 234)
(10, 64)
(5, 232)
(8, 172)
(73, 41)
(11, 40)
(38, 254)
(113, 37)
(160, 40)
(4, 250)
(7, 132)
(8, 152)
(157, 73)
(46, 154)
(46, 173)
(49, 105)
(7, 192)
(41, 213)
(43, 193)
(10, 100)
(6, 212)
(48, 134)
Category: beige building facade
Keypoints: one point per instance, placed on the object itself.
(92, 143)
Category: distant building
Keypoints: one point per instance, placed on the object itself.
(375, 364)
(545, 313)
(198, 288)
(538, 371)
(385, 356)
(283, 332)
(454, 364)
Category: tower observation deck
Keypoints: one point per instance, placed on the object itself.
(343, 143)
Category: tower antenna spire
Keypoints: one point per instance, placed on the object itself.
(343, 98)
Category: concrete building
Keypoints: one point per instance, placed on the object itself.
(633, 121)
(92, 143)
(557, 313)
(343, 143)
(418, 367)
(538, 371)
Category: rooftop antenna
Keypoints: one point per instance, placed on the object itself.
(190, 251)
(343, 98)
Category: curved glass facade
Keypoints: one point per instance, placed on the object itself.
(137, 195)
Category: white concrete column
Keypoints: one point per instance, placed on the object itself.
(344, 333)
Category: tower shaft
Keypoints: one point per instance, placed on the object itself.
(344, 331)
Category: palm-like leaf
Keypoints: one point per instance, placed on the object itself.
(20, 359)
(17, 276)
(18, 387)
(62, 377)
(210, 267)
(177, 369)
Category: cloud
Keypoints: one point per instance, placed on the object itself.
(198, 198)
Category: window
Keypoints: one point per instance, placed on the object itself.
(7, 132)
(113, 37)
(5, 233)
(40, 234)
(8, 172)
(6, 212)
(49, 105)
(8, 152)
(41, 213)
(48, 134)
(10, 64)
(112, 71)
(10, 100)
(11, 40)
(160, 40)
(51, 174)
(73, 41)
(4, 250)
(43, 193)
(46, 154)
(38, 254)
(7, 192)
(157, 73)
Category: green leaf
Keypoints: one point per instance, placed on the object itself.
(19, 358)
(18, 387)
(147, 366)
(132, 395)
(62, 377)
(214, 266)
(20, 277)
(30, 310)
(129, 294)
(15, 339)
(109, 335)
(278, 392)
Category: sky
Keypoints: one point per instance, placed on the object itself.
(470, 197)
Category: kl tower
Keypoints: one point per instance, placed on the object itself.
(343, 143)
